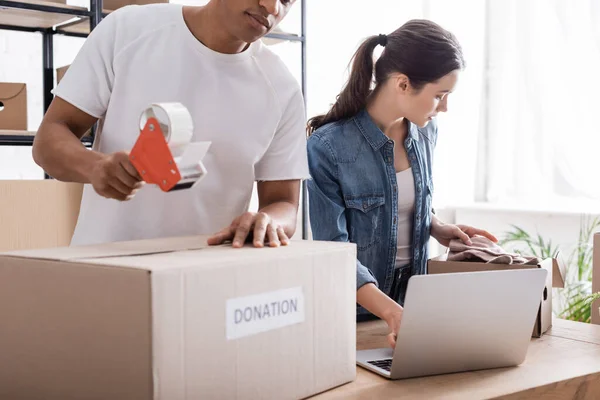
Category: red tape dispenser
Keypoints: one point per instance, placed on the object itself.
(163, 153)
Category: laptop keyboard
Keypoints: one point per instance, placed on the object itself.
(385, 364)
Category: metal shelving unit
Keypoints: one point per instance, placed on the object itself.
(46, 18)
(50, 19)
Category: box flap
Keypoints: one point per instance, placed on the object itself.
(441, 257)
(559, 269)
(171, 253)
(211, 256)
(116, 249)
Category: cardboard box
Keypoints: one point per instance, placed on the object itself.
(13, 106)
(175, 319)
(60, 72)
(38, 213)
(115, 4)
(439, 265)
(596, 279)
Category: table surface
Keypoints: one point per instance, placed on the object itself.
(563, 363)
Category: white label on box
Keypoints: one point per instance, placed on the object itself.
(263, 312)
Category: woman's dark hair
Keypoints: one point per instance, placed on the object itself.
(420, 49)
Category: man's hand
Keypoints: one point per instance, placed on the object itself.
(114, 177)
(443, 233)
(259, 225)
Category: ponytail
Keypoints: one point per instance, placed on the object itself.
(353, 97)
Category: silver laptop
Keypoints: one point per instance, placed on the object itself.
(462, 322)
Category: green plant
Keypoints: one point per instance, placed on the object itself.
(537, 246)
(574, 300)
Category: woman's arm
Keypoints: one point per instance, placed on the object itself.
(328, 222)
(371, 298)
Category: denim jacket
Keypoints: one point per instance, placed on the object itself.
(353, 193)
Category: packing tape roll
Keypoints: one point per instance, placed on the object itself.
(175, 122)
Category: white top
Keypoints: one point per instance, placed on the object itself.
(248, 105)
(406, 209)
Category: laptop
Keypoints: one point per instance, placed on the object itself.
(461, 322)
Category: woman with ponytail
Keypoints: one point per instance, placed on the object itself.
(370, 161)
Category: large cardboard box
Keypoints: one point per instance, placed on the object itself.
(37, 213)
(175, 319)
(440, 264)
(13, 106)
(596, 279)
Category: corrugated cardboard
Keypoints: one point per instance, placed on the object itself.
(13, 106)
(440, 265)
(115, 4)
(167, 319)
(60, 72)
(38, 213)
(596, 279)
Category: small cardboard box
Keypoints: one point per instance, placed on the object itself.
(176, 319)
(439, 265)
(13, 106)
(596, 279)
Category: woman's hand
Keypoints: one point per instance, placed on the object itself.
(443, 233)
(378, 303)
(393, 318)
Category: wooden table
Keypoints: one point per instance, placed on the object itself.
(562, 364)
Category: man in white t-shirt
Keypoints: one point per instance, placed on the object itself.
(241, 97)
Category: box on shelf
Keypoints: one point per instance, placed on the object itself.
(13, 106)
(173, 318)
(116, 4)
(440, 264)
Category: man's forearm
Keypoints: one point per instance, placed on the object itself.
(284, 214)
(62, 155)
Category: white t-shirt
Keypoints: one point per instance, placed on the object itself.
(248, 105)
